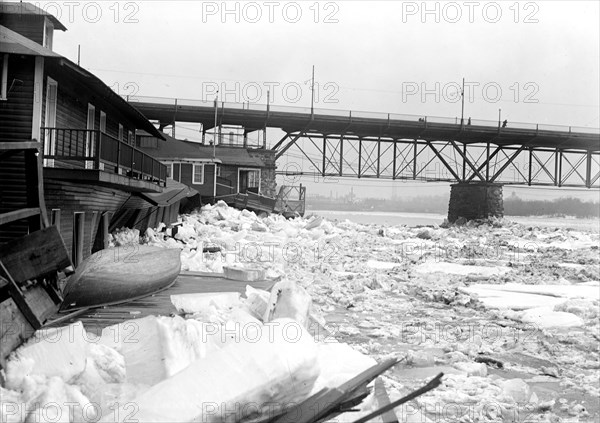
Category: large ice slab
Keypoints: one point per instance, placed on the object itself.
(279, 368)
(460, 269)
(56, 351)
(546, 317)
(155, 348)
(521, 297)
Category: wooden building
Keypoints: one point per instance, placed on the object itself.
(216, 173)
(94, 177)
(185, 162)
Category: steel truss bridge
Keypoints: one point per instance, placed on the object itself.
(336, 143)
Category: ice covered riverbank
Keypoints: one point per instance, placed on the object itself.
(508, 312)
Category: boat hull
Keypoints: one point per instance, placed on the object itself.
(121, 274)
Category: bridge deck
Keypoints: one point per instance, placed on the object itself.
(368, 125)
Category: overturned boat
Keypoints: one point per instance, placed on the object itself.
(121, 274)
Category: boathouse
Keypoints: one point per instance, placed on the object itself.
(94, 177)
(218, 172)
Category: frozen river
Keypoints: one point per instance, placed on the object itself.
(423, 219)
(508, 311)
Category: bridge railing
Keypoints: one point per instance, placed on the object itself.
(362, 114)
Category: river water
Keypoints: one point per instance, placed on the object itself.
(423, 219)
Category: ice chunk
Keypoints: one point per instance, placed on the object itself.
(279, 368)
(256, 301)
(546, 317)
(586, 309)
(497, 298)
(288, 300)
(65, 345)
(246, 274)
(517, 389)
(197, 303)
(382, 265)
(339, 363)
(60, 403)
(157, 347)
(471, 369)
(587, 291)
(11, 406)
(108, 362)
(460, 269)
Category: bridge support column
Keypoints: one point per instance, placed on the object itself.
(475, 200)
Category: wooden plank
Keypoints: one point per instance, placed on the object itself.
(40, 302)
(159, 304)
(14, 329)
(20, 145)
(383, 400)
(37, 254)
(55, 221)
(19, 299)
(78, 237)
(18, 215)
(323, 404)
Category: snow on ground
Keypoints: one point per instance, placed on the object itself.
(510, 313)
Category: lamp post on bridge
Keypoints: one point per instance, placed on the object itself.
(462, 112)
(215, 127)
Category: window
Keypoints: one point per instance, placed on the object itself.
(90, 142)
(218, 169)
(253, 179)
(50, 121)
(169, 170)
(102, 122)
(4, 76)
(120, 136)
(198, 177)
(130, 139)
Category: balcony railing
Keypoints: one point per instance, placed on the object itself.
(94, 149)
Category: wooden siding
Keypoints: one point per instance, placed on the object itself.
(72, 109)
(93, 200)
(230, 173)
(207, 188)
(16, 112)
(30, 26)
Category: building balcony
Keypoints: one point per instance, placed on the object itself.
(96, 157)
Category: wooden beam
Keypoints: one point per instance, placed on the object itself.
(18, 215)
(78, 237)
(55, 221)
(19, 299)
(22, 145)
(383, 400)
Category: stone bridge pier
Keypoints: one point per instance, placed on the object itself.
(475, 200)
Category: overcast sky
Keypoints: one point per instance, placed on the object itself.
(536, 61)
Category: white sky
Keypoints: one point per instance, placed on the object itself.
(543, 56)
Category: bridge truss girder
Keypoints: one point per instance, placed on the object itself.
(348, 155)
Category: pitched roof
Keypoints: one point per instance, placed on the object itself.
(234, 156)
(173, 192)
(29, 9)
(14, 43)
(175, 149)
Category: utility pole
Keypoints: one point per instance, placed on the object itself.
(462, 113)
(215, 127)
(312, 93)
(78, 54)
